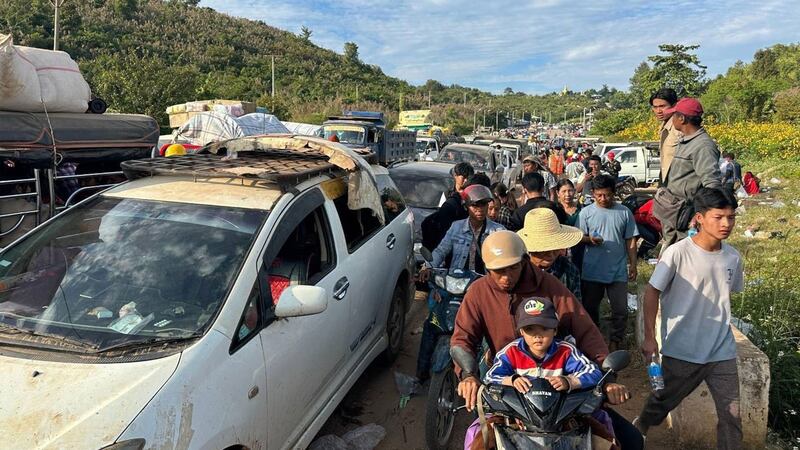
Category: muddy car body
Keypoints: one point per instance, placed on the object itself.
(210, 302)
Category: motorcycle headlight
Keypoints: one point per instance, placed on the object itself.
(131, 444)
(457, 286)
(440, 281)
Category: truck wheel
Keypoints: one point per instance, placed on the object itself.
(395, 327)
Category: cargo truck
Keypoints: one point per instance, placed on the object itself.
(367, 130)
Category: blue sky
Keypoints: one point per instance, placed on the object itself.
(535, 46)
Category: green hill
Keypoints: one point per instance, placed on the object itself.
(141, 56)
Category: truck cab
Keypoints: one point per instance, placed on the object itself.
(366, 131)
(639, 162)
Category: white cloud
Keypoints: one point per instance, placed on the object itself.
(533, 46)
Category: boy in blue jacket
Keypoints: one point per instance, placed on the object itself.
(538, 354)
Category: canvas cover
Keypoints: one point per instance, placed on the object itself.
(26, 139)
(305, 129)
(35, 80)
(208, 127)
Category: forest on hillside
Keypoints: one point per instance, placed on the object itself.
(143, 55)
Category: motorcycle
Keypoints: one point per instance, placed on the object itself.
(626, 186)
(542, 418)
(447, 289)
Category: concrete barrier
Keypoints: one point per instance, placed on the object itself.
(694, 421)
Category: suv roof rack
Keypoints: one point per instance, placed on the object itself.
(283, 167)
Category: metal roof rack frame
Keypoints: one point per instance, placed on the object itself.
(286, 168)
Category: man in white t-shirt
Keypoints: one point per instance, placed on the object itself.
(694, 280)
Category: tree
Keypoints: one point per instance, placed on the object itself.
(787, 105)
(679, 69)
(508, 91)
(351, 52)
(305, 33)
(643, 84)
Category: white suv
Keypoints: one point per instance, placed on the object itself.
(211, 302)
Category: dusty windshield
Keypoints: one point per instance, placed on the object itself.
(346, 134)
(421, 192)
(455, 155)
(113, 272)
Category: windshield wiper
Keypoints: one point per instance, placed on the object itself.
(11, 329)
(147, 343)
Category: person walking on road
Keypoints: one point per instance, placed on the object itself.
(594, 169)
(695, 165)
(693, 283)
(532, 192)
(609, 261)
(660, 101)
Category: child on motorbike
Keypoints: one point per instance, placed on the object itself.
(539, 354)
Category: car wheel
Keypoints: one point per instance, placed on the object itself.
(439, 411)
(395, 326)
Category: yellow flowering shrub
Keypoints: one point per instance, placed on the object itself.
(747, 139)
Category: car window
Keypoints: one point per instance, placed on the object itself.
(391, 199)
(305, 256)
(421, 191)
(358, 224)
(627, 157)
(250, 322)
(124, 271)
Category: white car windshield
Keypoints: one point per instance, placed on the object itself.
(112, 272)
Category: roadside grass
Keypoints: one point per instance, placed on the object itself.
(771, 299)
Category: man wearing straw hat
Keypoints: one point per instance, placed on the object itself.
(547, 242)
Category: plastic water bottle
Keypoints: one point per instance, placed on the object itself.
(656, 378)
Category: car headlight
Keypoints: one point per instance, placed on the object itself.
(439, 280)
(130, 444)
(456, 286)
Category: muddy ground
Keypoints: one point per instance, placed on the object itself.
(374, 399)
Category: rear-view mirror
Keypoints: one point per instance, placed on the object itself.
(300, 300)
(617, 360)
(426, 254)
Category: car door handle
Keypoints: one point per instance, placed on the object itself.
(635, 165)
(340, 288)
(391, 241)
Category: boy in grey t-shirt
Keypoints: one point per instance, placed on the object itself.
(694, 280)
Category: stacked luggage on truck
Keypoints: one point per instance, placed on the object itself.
(49, 162)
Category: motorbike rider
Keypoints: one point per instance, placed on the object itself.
(487, 313)
(462, 247)
(435, 226)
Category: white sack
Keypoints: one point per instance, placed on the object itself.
(29, 76)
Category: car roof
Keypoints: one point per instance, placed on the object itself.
(422, 169)
(471, 148)
(252, 194)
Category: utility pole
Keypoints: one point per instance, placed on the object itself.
(465, 99)
(484, 118)
(565, 117)
(429, 99)
(356, 94)
(56, 4)
(272, 57)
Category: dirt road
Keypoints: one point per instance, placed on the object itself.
(374, 399)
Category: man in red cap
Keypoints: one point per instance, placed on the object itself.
(695, 165)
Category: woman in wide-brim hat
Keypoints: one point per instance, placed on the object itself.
(547, 242)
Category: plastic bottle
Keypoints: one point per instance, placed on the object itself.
(654, 372)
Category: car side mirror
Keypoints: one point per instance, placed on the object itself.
(296, 301)
(616, 361)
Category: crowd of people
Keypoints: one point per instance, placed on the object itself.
(558, 243)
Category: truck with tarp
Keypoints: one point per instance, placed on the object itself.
(49, 162)
(367, 130)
